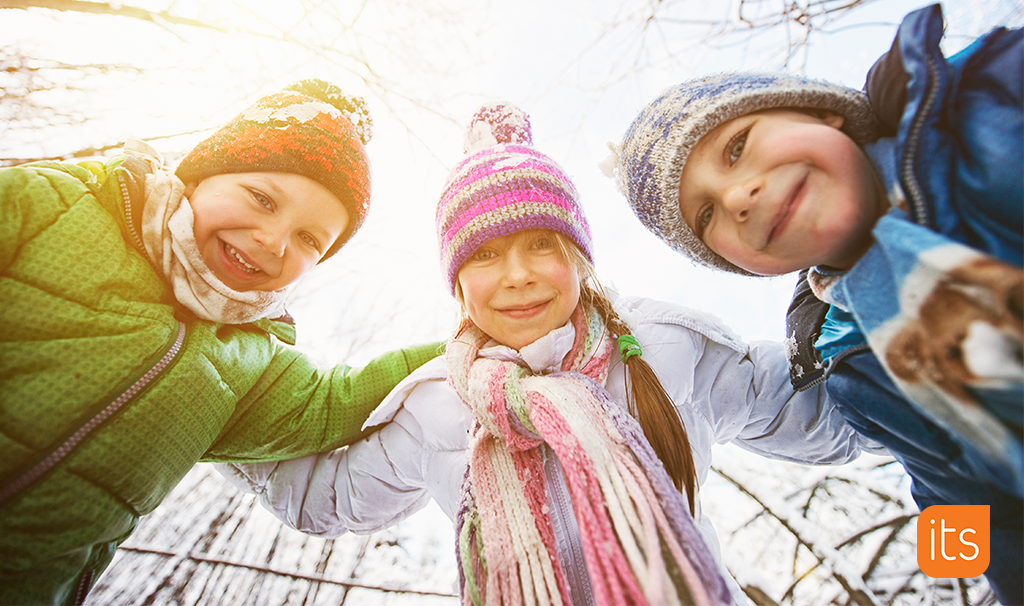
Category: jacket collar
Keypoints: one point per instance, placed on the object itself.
(543, 356)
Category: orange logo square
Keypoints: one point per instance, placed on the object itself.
(953, 541)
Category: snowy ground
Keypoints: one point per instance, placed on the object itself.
(800, 535)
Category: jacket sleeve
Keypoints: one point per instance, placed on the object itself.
(296, 408)
(804, 427)
(32, 197)
(365, 487)
(728, 391)
(750, 401)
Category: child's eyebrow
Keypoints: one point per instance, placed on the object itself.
(318, 230)
(709, 142)
(270, 184)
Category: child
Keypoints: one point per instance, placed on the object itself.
(136, 336)
(522, 435)
(905, 207)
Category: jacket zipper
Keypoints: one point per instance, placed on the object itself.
(126, 200)
(563, 519)
(119, 403)
(913, 188)
(832, 363)
(84, 584)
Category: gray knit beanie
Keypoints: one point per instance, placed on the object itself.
(654, 149)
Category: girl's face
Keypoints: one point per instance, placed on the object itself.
(781, 190)
(519, 288)
(263, 231)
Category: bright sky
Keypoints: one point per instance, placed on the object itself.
(384, 290)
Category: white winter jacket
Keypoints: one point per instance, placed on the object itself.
(724, 392)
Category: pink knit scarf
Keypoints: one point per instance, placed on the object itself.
(640, 544)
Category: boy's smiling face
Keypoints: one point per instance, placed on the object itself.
(781, 190)
(263, 231)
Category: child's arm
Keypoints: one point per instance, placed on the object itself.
(726, 390)
(804, 427)
(375, 482)
(296, 408)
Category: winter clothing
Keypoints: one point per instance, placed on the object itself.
(724, 391)
(614, 473)
(953, 240)
(650, 160)
(504, 187)
(944, 470)
(310, 128)
(110, 391)
(479, 431)
(922, 343)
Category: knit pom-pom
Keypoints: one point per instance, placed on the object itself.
(498, 122)
(353, 108)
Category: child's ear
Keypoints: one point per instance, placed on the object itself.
(831, 118)
(189, 188)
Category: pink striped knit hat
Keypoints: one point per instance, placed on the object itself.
(503, 187)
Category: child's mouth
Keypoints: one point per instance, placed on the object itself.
(793, 200)
(237, 258)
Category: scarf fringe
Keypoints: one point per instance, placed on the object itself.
(640, 544)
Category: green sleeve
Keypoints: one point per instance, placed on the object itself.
(31, 199)
(296, 408)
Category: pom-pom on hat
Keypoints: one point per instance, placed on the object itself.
(654, 149)
(310, 128)
(503, 187)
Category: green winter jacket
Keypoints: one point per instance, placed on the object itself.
(110, 392)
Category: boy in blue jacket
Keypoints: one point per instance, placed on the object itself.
(903, 209)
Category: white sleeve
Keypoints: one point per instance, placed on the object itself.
(754, 405)
(361, 488)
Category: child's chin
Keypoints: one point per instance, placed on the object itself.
(235, 284)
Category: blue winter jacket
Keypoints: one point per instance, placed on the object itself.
(936, 302)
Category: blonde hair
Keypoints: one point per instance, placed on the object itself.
(646, 398)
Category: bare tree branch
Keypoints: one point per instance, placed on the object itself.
(856, 588)
(120, 10)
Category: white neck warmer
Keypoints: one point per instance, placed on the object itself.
(169, 238)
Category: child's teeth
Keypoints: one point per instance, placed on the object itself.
(248, 268)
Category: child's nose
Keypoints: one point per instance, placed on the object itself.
(518, 271)
(273, 241)
(739, 199)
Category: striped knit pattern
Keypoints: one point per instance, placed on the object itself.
(504, 189)
(640, 544)
(312, 129)
(655, 147)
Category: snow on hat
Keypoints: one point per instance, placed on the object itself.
(503, 187)
(310, 128)
(654, 150)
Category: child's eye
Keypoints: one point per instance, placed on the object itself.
(734, 149)
(542, 243)
(310, 240)
(482, 255)
(703, 219)
(262, 199)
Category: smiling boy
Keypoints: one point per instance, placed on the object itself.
(272, 243)
(904, 207)
(143, 327)
(779, 190)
